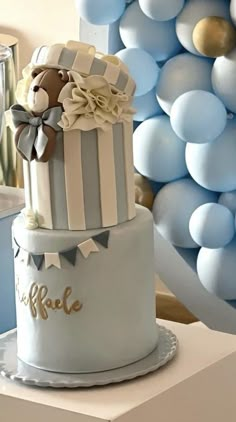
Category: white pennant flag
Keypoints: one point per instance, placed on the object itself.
(87, 247)
(24, 256)
(52, 259)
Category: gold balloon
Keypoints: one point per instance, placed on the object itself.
(143, 192)
(214, 36)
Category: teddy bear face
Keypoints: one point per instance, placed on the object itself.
(45, 89)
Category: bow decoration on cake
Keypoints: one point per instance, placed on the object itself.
(36, 135)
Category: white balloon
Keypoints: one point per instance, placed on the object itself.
(224, 79)
(233, 11)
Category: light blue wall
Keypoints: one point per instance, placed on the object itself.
(7, 291)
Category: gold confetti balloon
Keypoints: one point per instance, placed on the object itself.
(214, 36)
(143, 192)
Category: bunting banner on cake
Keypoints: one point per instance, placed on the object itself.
(23, 256)
(38, 260)
(53, 259)
(87, 247)
(70, 256)
(102, 238)
(16, 251)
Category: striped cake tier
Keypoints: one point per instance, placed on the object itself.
(88, 182)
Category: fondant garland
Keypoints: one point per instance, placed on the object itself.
(52, 259)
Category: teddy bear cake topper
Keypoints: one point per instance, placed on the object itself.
(60, 94)
(36, 129)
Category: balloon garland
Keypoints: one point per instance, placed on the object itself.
(182, 55)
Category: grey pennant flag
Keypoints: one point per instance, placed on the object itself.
(38, 260)
(102, 238)
(70, 255)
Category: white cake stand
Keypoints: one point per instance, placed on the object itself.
(13, 368)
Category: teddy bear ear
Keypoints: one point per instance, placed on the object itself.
(63, 75)
(35, 72)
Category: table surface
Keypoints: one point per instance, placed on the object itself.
(198, 349)
(11, 200)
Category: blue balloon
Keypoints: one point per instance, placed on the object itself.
(146, 106)
(104, 12)
(158, 153)
(142, 68)
(158, 38)
(135, 125)
(228, 199)
(192, 13)
(224, 79)
(161, 10)
(156, 186)
(191, 123)
(212, 165)
(181, 74)
(233, 11)
(216, 270)
(173, 207)
(212, 226)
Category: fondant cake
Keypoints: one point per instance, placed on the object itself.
(84, 264)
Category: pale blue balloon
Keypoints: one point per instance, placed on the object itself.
(233, 11)
(158, 153)
(158, 38)
(161, 10)
(224, 79)
(181, 74)
(146, 106)
(104, 12)
(212, 165)
(192, 13)
(216, 270)
(142, 67)
(198, 116)
(156, 186)
(212, 226)
(173, 207)
(228, 199)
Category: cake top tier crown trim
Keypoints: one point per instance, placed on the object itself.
(84, 59)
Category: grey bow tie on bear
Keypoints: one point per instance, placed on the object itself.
(33, 137)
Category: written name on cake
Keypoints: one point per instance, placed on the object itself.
(40, 304)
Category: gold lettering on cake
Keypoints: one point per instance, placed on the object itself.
(40, 303)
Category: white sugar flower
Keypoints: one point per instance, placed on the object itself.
(30, 218)
(91, 103)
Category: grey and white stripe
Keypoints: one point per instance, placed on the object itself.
(57, 186)
(91, 185)
(59, 56)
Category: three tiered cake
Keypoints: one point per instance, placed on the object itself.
(84, 264)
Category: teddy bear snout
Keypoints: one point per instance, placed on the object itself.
(38, 99)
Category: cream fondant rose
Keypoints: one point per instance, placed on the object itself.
(91, 103)
(31, 221)
(23, 86)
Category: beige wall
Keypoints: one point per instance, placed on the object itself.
(38, 22)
